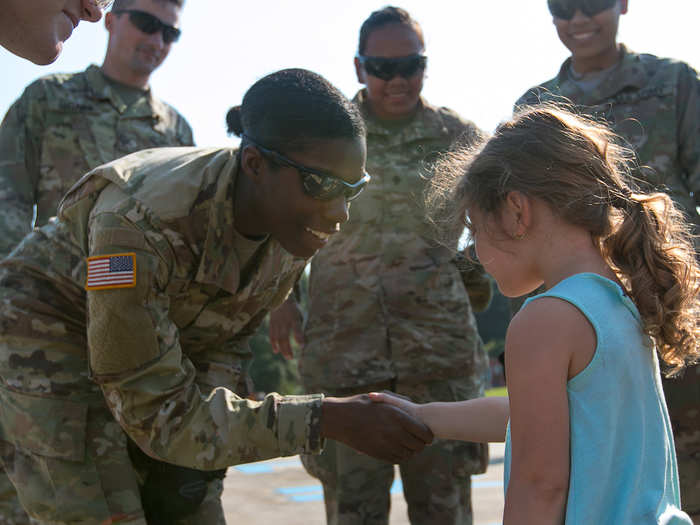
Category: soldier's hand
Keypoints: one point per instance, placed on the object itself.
(284, 321)
(396, 400)
(380, 430)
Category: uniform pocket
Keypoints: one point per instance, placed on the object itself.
(45, 426)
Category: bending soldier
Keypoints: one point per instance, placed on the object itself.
(183, 251)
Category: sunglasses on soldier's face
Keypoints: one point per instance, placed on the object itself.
(149, 24)
(387, 68)
(101, 4)
(565, 9)
(316, 184)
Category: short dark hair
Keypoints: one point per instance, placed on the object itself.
(386, 16)
(126, 4)
(287, 109)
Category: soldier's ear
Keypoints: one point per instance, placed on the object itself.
(360, 72)
(109, 21)
(251, 161)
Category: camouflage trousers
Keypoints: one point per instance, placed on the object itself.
(11, 511)
(683, 400)
(92, 483)
(436, 482)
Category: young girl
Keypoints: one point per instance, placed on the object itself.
(588, 439)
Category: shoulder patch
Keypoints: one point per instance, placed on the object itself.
(107, 272)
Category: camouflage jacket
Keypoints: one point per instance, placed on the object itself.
(167, 351)
(60, 128)
(654, 104)
(386, 301)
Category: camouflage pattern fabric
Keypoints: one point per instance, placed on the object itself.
(60, 128)
(654, 104)
(160, 360)
(436, 481)
(388, 305)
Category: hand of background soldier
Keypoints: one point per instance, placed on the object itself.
(379, 430)
(286, 321)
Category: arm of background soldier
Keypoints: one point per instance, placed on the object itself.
(688, 119)
(476, 281)
(149, 384)
(286, 321)
(19, 173)
(184, 132)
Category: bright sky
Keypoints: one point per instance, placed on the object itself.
(482, 54)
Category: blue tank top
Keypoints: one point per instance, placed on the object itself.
(623, 463)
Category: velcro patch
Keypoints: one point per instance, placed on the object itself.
(107, 272)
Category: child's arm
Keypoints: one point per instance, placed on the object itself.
(481, 420)
(542, 343)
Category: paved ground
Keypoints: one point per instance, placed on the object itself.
(280, 492)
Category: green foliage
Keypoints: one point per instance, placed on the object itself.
(272, 372)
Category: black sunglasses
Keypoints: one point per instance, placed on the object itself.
(316, 184)
(565, 9)
(102, 4)
(387, 68)
(150, 24)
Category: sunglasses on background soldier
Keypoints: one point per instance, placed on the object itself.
(565, 9)
(149, 24)
(387, 68)
(316, 184)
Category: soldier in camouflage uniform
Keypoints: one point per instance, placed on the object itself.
(64, 125)
(37, 30)
(654, 105)
(121, 401)
(388, 307)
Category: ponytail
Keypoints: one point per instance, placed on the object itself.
(651, 250)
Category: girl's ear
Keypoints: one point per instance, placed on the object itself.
(517, 214)
(251, 162)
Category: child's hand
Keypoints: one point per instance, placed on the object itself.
(398, 401)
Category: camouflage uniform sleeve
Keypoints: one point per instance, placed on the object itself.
(476, 281)
(184, 131)
(689, 128)
(150, 384)
(19, 172)
(462, 132)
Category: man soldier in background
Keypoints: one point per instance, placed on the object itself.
(66, 124)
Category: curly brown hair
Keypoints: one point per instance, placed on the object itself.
(578, 168)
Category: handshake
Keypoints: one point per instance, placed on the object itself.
(380, 425)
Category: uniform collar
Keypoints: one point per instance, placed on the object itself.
(425, 124)
(100, 89)
(630, 72)
(219, 263)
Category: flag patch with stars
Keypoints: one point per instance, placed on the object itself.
(106, 272)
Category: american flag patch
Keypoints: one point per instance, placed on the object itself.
(111, 271)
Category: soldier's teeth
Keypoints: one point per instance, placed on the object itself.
(321, 235)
